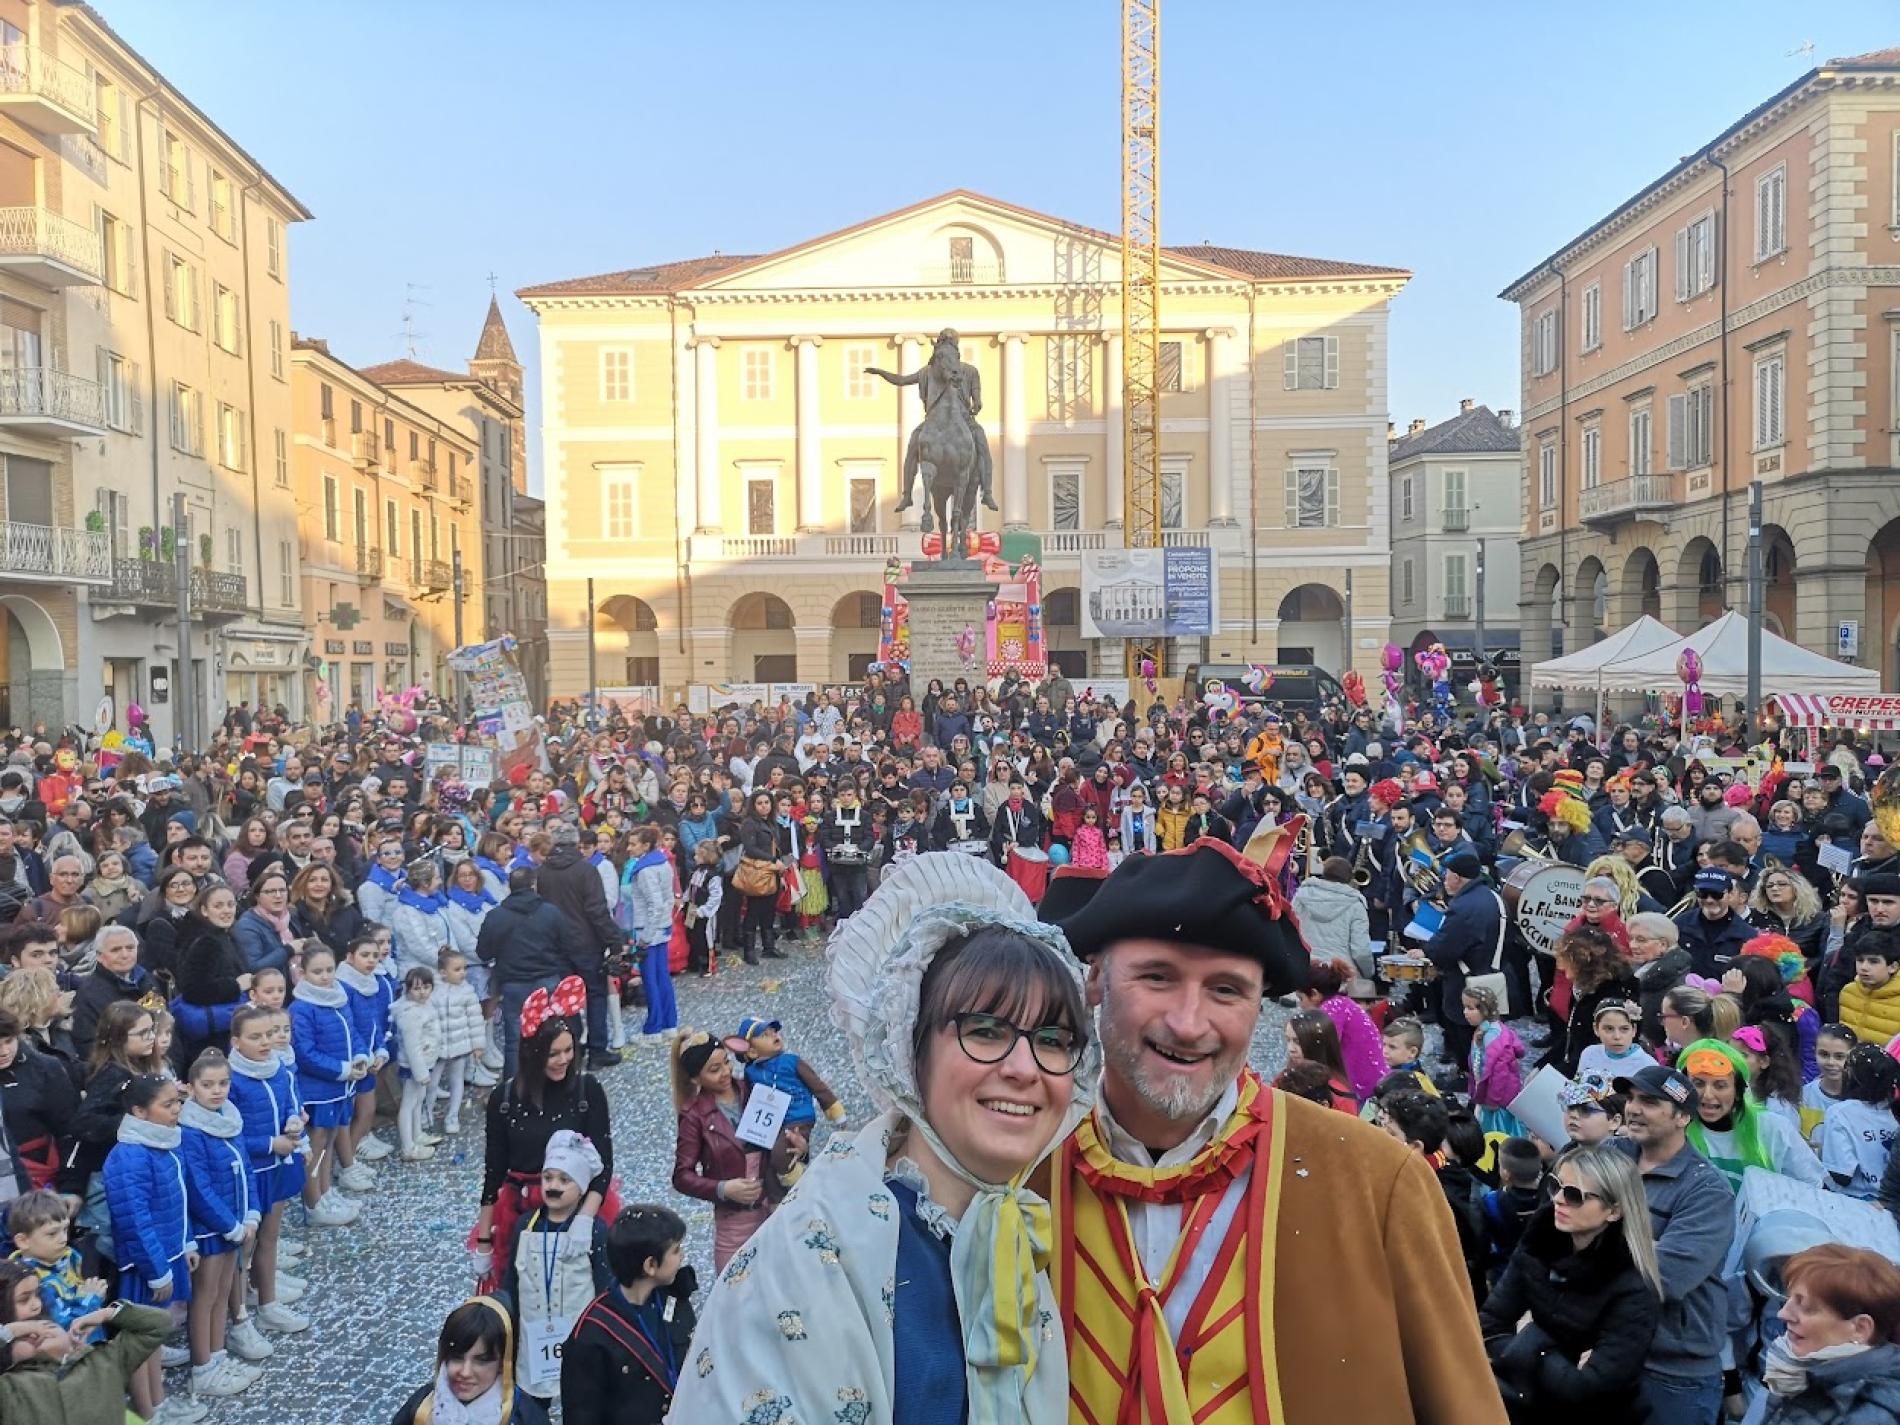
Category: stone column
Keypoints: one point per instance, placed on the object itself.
(1112, 495)
(706, 431)
(1220, 427)
(910, 415)
(1826, 596)
(1015, 435)
(811, 490)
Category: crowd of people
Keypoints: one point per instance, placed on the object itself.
(227, 973)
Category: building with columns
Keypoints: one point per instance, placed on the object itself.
(1737, 320)
(721, 466)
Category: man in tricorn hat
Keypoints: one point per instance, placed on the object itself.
(1225, 1252)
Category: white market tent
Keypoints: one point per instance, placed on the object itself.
(1723, 647)
(1584, 668)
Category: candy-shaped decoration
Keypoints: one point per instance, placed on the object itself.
(1689, 669)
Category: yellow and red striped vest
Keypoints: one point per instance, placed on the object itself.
(1125, 1368)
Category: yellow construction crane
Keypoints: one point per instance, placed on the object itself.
(1141, 293)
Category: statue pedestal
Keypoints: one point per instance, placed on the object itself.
(946, 596)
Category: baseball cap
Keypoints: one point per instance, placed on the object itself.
(1637, 833)
(1574, 1095)
(751, 1027)
(1828, 769)
(1656, 1081)
(1709, 878)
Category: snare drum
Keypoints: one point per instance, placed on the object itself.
(1397, 969)
(971, 847)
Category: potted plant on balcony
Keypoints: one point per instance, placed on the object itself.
(148, 542)
(204, 550)
(96, 521)
(167, 545)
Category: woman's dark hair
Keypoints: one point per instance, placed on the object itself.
(531, 1073)
(472, 1325)
(1782, 1077)
(1693, 1005)
(1760, 976)
(1593, 958)
(9, 1025)
(644, 1230)
(1308, 1080)
(1328, 977)
(144, 1090)
(11, 1275)
(1465, 1137)
(109, 1044)
(1871, 1076)
(1318, 1038)
(997, 971)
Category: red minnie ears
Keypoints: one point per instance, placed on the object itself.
(567, 1001)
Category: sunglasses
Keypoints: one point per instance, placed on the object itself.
(1572, 1196)
(1711, 895)
(1595, 900)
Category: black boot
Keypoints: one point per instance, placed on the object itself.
(751, 953)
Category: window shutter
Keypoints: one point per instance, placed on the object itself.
(171, 292)
(1332, 494)
(136, 386)
(1685, 286)
(1629, 294)
(1678, 419)
(1705, 269)
(1332, 362)
(1290, 379)
(1292, 499)
(1761, 404)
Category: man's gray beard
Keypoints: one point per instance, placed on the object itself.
(1177, 1100)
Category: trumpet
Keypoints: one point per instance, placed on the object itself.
(1517, 845)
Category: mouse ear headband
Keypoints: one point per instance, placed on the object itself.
(568, 1000)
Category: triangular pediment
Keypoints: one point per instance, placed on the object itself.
(958, 239)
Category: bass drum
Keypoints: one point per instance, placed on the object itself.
(1543, 897)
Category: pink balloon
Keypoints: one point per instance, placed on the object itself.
(1394, 658)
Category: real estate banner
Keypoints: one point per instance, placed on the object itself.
(1148, 593)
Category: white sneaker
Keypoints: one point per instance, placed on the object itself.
(215, 1381)
(428, 1138)
(372, 1149)
(243, 1339)
(179, 1410)
(482, 1077)
(358, 1177)
(278, 1317)
(421, 1153)
(453, 1126)
(243, 1370)
(331, 1212)
(289, 1289)
(170, 1358)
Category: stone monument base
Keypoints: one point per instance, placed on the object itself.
(946, 596)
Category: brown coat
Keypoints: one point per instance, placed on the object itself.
(1373, 1320)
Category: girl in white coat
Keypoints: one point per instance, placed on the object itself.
(464, 1027)
(419, 1050)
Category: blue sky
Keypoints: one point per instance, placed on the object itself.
(439, 140)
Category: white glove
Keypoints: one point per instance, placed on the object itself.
(482, 1260)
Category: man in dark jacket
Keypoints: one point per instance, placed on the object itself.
(569, 882)
(1713, 933)
(529, 945)
(1840, 799)
(1466, 944)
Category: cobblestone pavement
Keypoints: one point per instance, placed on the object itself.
(378, 1290)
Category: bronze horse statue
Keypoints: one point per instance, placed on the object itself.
(949, 449)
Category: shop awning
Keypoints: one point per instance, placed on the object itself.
(1878, 711)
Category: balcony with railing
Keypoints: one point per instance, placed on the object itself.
(430, 575)
(369, 562)
(48, 96)
(1627, 499)
(37, 400)
(153, 583)
(49, 250)
(1456, 519)
(426, 469)
(1073, 541)
(1457, 606)
(56, 555)
(365, 449)
(861, 546)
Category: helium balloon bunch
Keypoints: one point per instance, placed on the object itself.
(1689, 669)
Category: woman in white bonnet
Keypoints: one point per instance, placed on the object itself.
(902, 1280)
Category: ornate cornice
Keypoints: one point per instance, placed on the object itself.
(594, 301)
(1883, 276)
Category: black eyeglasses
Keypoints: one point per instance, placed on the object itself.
(1572, 1196)
(990, 1039)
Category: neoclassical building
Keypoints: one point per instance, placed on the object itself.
(1736, 320)
(722, 468)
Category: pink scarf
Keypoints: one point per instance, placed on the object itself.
(279, 923)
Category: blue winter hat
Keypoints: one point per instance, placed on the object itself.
(186, 818)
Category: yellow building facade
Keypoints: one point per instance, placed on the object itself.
(386, 513)
(720, 466)
(144, 325)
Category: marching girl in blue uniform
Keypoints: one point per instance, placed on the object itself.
(264, 1091)
(145, 1193)
(222, 1207)
(372, 997)
(330, 1063)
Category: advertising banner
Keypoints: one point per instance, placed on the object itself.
(503, 714)
(1148, 593)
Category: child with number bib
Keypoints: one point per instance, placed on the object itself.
(559, 1263)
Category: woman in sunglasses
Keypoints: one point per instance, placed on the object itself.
(1570, 1322)
(901, 1282)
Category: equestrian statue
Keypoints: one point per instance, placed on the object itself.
(948, 449)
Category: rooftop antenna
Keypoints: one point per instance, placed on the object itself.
(1805, 50)
(411, 338)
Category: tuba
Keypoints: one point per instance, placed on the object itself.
(1427, 879)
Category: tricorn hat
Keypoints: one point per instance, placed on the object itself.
(1206, 893)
